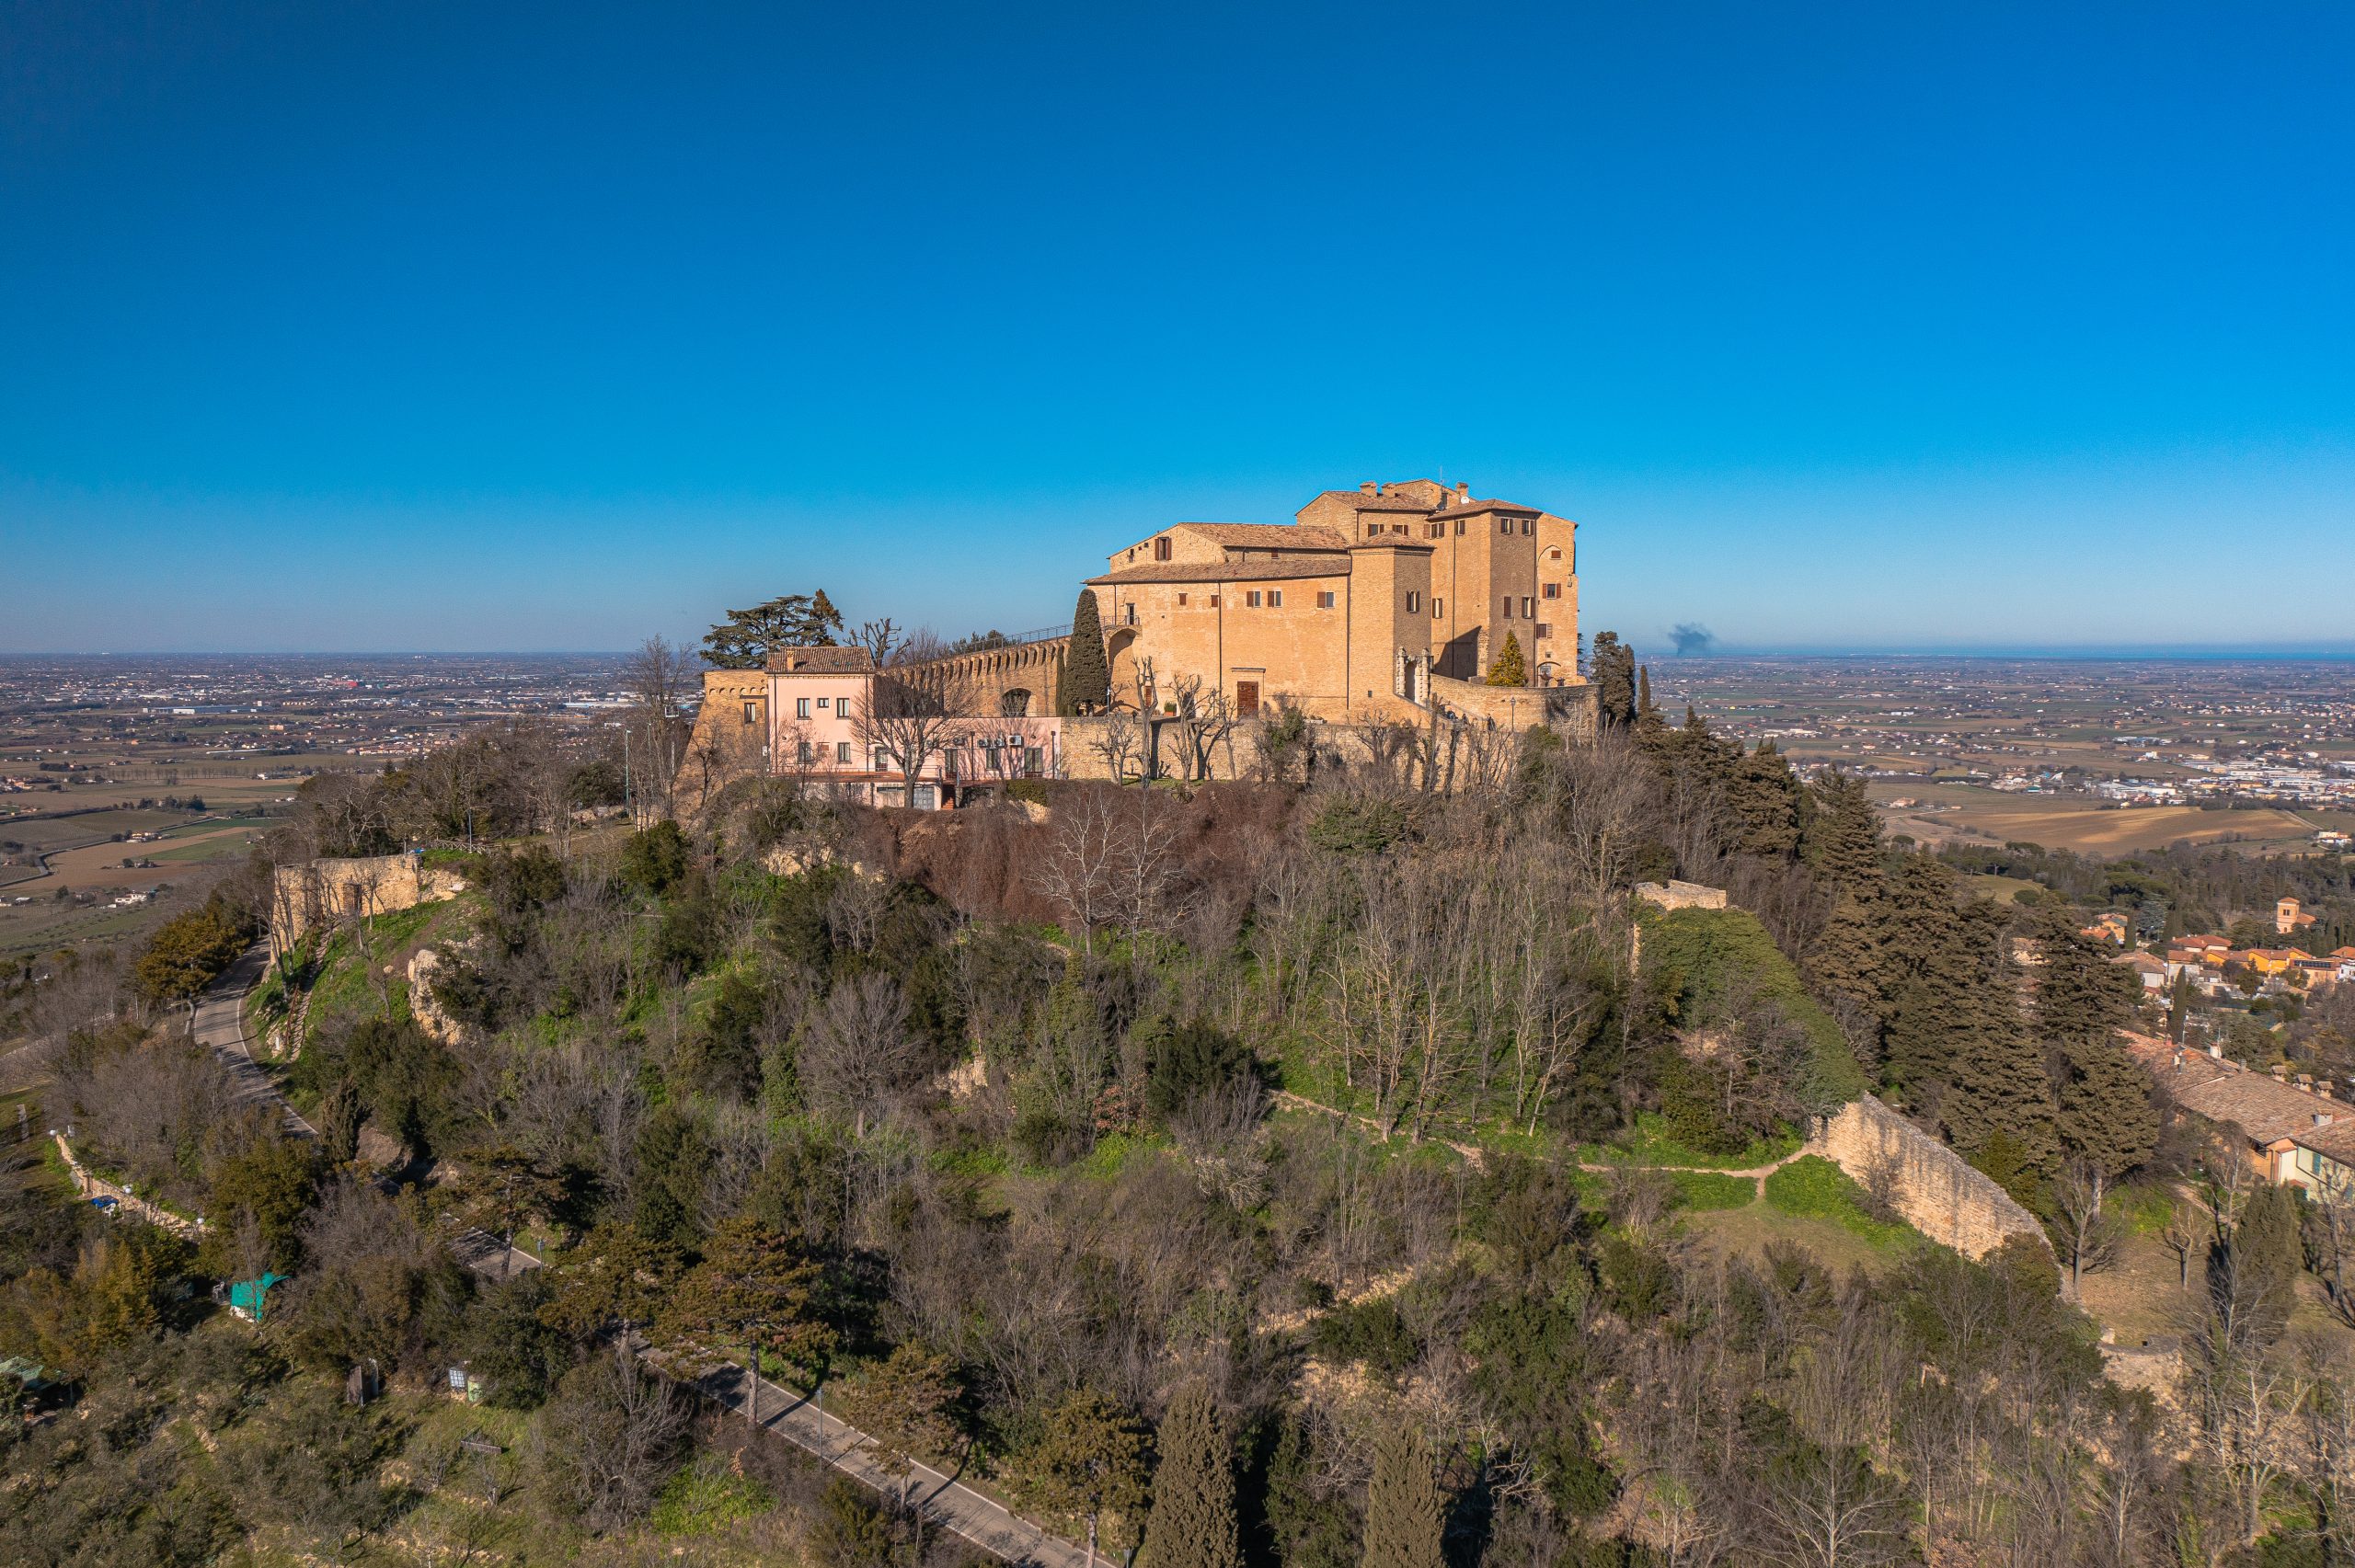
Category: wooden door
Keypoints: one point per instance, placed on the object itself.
(1246, 698)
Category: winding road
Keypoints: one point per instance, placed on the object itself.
(219, 1024)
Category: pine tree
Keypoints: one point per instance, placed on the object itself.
(1507, 670)
(1086, 686)
(1193, 1522)
(745, 639)
(1405, 1516)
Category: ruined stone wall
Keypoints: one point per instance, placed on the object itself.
(1935, 1188)
(323, 891)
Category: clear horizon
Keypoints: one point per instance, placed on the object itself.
(1854, 332)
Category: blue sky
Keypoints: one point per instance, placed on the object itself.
(1874, 326)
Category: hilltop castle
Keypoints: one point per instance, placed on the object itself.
(1388, 602)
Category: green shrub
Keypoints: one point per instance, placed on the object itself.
(1813, 1187)
(1372, 1332)
(1357, 827)
(705, 1499)
(1712, 950)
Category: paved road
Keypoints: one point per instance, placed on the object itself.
(947, 1502)
(220, 1025)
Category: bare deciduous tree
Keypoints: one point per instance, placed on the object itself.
(857, 1050)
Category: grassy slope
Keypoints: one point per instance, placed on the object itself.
(1707, 948)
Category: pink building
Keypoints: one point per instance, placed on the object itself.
(824, 727)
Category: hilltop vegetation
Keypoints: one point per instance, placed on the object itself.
(1306, 1164)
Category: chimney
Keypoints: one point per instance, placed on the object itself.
(2306, 1081)
(2321, 1087)
(2178, 1058)
(1462, 491)
(2322, 1118)
(2217, 1051)
(1370, 488)
(2280, 1071)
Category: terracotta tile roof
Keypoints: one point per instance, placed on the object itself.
(1364, 502)
(1265, 535)
(1336, 565)
(822, 662)
(1466, 509)
(1393, 542)
(2265, 1109)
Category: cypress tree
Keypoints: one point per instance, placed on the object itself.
(1843, 839)
(2082, 1000)
(1507, 670)
(1649, 726)
(1614, 673)
(1764, 794)
(1405, 1516)
(1086, 683)
(1193, 1522)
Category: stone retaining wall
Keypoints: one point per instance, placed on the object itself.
(1936, 1189)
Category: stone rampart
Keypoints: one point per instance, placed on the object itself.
(1567, 708)
(323, 891)
(1936, 1189)
(1017, 681)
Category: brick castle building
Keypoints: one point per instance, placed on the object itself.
(1388, 602)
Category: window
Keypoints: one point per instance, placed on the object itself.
(1508, 609)
(1504, 525)
(800, 708)
(1554, 554)
(1325, 601)
(1275, 598)
(1372, 529)
(1161, 548)
(1132, 609)
(1439, 609)
(1214, 600)
(842, 752)
(1397, 528)
(1529, 525)
(1251, 600)
(821, 703)
(841, 708)
(802, 756)
(1554, 589)
(1181, 598)
(1459, 528)
(1435, 529)
(1414, 601)
(748, 712)
(1544, 631)
(1528, 609)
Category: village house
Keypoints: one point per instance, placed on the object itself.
(2287, 919)
(2295, 1131)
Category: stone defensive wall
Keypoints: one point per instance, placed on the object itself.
(324, 892)
(1570, 709)
(1936, 1189)
(990, 681)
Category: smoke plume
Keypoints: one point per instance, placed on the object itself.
(1692, 639)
